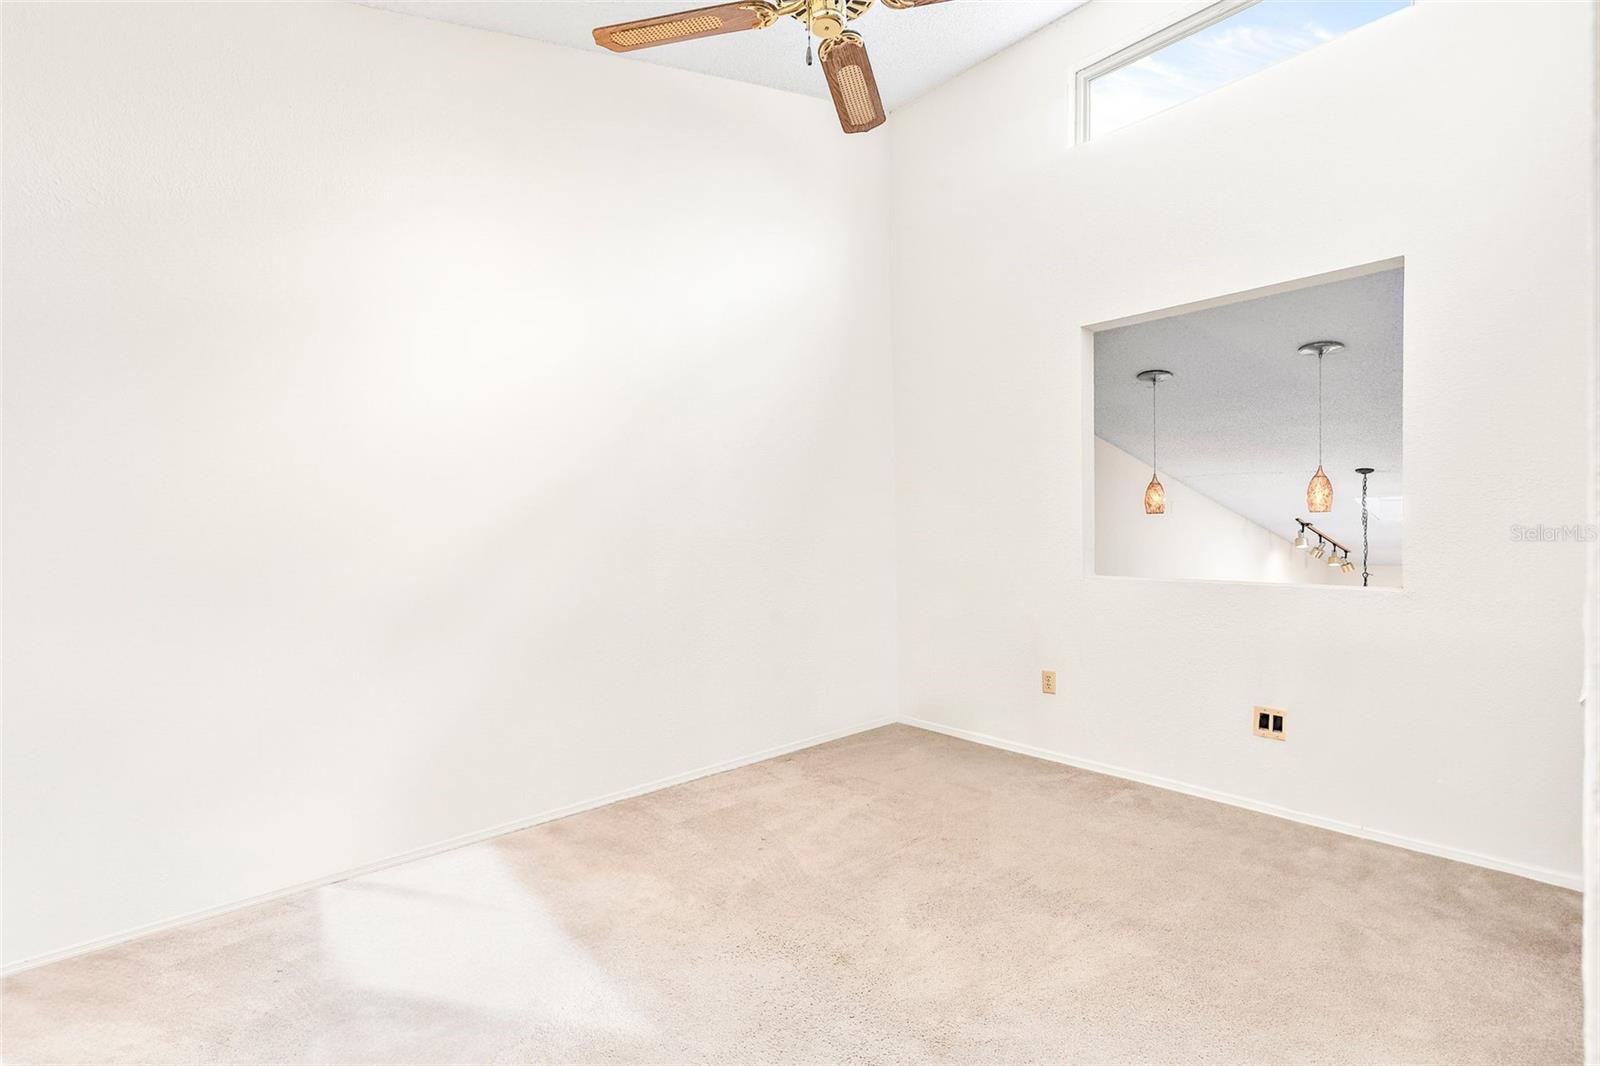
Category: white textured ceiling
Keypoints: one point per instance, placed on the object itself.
(912, 51)
(1238, 421)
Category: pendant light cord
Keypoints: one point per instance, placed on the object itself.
(1319, 410)
(1153, 467)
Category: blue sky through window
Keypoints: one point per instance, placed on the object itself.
(1241, 44)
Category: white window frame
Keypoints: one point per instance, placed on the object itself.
(1171, 34)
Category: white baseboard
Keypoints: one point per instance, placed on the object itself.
(101, 943)
(1573, 880)
(1563, 878)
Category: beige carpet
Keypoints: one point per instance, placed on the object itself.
(895, 896)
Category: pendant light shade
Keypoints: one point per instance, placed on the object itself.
(1319, 494)
(1319, 491)
(1155, 496)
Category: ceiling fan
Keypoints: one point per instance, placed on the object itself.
(843, 53)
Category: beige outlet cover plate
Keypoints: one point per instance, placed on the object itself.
(1047, 682)
(1277, 721)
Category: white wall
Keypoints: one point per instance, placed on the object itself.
(1591, 674)
(1455, 135)
(410, 430)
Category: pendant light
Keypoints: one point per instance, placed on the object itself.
(1155, 497)
(1319, 493)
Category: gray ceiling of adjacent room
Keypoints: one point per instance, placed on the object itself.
(912, 51)
(1239, 418)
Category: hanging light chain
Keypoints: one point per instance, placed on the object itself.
(1365, 574)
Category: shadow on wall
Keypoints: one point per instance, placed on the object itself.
(1197, 538)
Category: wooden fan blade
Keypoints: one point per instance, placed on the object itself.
(686, 25)
(850, 80)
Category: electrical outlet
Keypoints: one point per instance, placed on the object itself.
(1047, 682)
(1268, 722)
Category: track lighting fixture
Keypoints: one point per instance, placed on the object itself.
(1327, 550)
(1319, 492)
(1155, 496)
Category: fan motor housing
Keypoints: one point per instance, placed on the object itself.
(828, 18)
